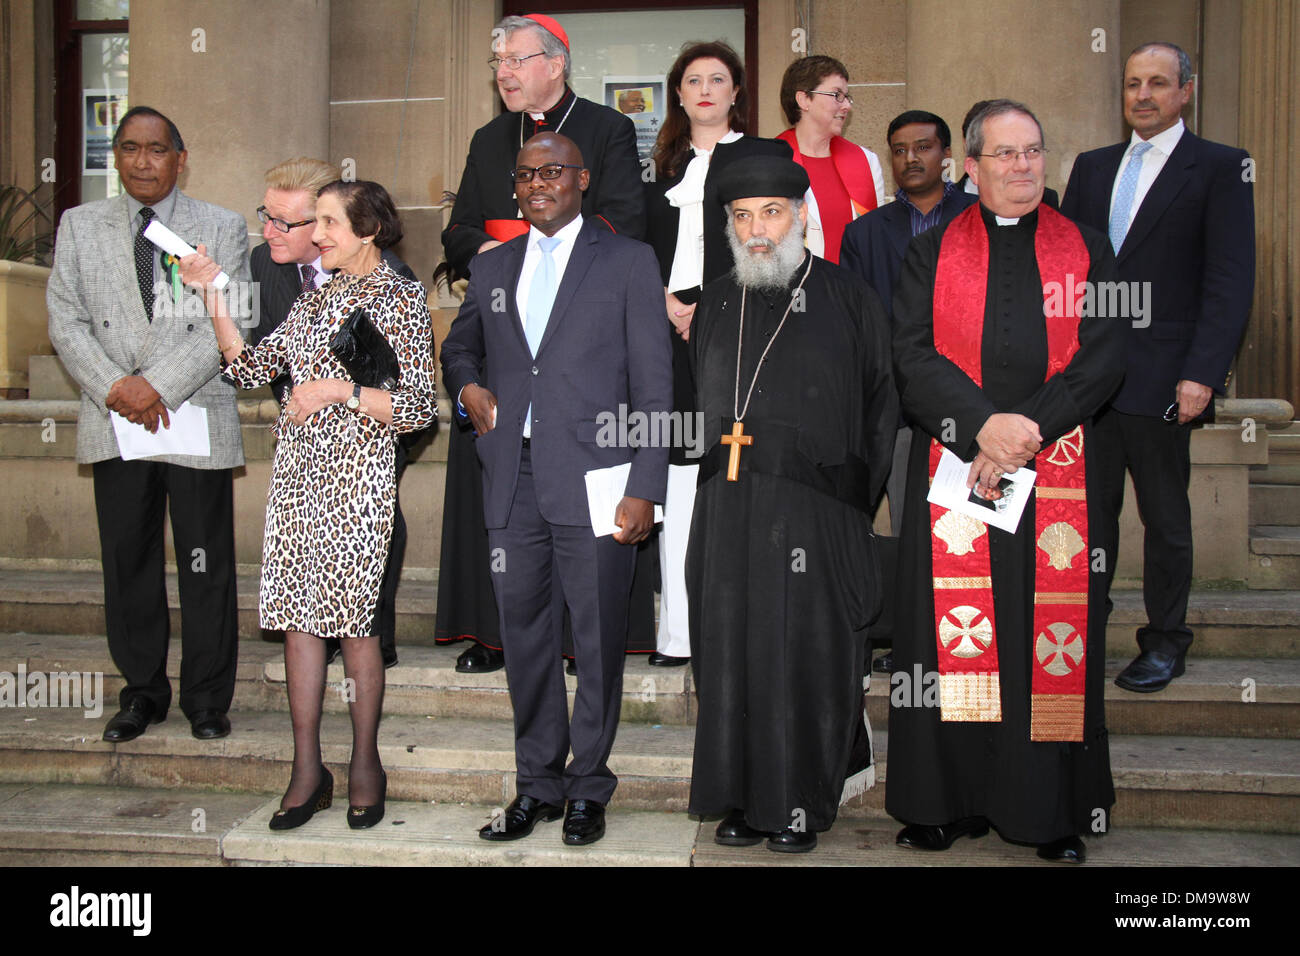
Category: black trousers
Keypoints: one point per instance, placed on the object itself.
(595, 575)
(130, 498)
(1157, 454)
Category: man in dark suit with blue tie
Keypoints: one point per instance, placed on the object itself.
(559, 326)
(1180, 214)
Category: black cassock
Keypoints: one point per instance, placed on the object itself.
(939, 772)
(781, 570)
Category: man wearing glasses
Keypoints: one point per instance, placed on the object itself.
(286, 265)
(531, 63)
(1181, 217)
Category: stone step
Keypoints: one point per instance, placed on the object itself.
(65, 825)
(1239, 697)
(1178, 782)
(1274, 504)
(1274, 557)
(1227, 623)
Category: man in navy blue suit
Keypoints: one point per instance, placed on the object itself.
(1180, 214)
(559, 326)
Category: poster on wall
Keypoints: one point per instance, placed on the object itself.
(102, 110)
(641, 99)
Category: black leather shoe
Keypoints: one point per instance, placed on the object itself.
(917, 837)
(519, 818)
(734, 831)
(571, 667)
(584, 822)
(131, 721)
(209, 724)
(321, 799)
(663, 660)
(362, 818)
(884, 664)
(332, 650)
(390, 660)
(1065, 850)
(480, 660)
(1150, 671)
(792, 841)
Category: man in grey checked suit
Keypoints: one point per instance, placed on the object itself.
(137, 352)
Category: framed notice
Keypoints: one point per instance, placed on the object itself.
(102, 110)
(640, 99)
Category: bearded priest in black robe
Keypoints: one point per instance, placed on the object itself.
(1003, 354)
(781, 570)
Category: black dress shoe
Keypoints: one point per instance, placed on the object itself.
(520, 817)
(917, 837)
(480, 660)
(1150, 671)
(209, 724)
(390, 660)
(792, 841)
(571, 667)
(1065, 850)
(584, 822)
(734, 831)
(321, 798)
(131, 720)
(332, 650)
(663, 660)
(362, 818)
(884, 664)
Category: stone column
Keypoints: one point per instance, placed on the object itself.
(246, 81)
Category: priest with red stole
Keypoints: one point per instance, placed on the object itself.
(996, 716)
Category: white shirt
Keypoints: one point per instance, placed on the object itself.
(1153, 160)
(567, 235)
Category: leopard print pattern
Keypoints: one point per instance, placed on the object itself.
(329, 512)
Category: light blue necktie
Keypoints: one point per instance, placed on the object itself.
(541, 297)
(1123, 205)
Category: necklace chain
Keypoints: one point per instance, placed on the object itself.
(558, 126)
(740, 343)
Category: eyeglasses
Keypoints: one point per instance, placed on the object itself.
(280, 224)
(524, 174)
(838, 95)
(513, 62)
(1007, 155)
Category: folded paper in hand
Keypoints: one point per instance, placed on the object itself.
(188, 435)
(949, 491)
(605, 488)
(168, 241)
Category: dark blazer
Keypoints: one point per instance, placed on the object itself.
(1193, 239)
(279, 284)
(605, 346)
(874, 244)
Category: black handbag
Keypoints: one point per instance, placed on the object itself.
(365, 353)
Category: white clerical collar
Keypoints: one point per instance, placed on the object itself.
(1004, 221)
(1165, 141)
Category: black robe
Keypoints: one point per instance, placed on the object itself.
(940, 772)
(782, 578)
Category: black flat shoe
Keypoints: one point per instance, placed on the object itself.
(480, 660)
(519, 818)
(883, 664)
(1150, 671)
(332, 650)
(664, 660)
(917, 837)
(130, 722)
(584, 822)
(792, 841)
(321, 799)
(571, 667)
(209, 724)
(390, 660)
(362, 818)
(734, 831)
(1065, 850)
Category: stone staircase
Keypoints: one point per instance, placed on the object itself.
(1207, 772)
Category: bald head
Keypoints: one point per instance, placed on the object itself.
(550, 204)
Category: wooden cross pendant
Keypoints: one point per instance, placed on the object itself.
(735, 440)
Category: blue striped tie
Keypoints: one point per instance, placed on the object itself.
(1123, 205)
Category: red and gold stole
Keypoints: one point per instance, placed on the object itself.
(965, 628)
(851, 164)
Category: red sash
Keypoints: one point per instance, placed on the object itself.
(503, 230)
(965, 629)
(852, 166)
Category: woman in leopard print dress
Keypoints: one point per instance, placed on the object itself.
(329, 510)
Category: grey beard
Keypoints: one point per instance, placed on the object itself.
(772, 272)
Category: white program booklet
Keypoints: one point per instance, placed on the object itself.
(188, 435)
(604, 491)
(949, 491)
